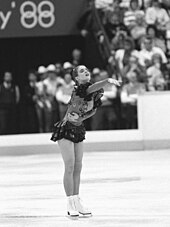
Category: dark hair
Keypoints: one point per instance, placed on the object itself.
(74, 73)
(147, 37)
(32, 71)
(152, 26)
(154, 1)
(134, 1)
(130, 41)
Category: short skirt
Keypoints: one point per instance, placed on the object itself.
(68, 131)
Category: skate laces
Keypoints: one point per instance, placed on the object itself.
(73, 206)
(82, 204)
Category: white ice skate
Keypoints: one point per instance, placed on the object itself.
(71, 209)
(84, 211)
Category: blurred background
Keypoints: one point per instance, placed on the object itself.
(41, 41)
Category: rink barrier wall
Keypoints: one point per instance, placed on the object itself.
(153, 133)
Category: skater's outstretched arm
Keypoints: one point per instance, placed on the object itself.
(101, 84)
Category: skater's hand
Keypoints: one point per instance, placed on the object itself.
(115, 82)
(73, 116)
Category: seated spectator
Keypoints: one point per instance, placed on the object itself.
(9, 98)
(143, 4)
(30, 98)
(152, 32)
(131, 14)
(122, 56)
(157, 15)
(166, 3)
(160, 84)
(113, 19)
(147, 51)
(118, 41)
(129, 97)
(134, 65)
(139, 29)
(63, 94)
(155, 73)
(103, 4)
(105, 117)
(126, 3)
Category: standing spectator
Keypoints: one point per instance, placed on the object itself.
(41, 97)
(30, 98)
(67, 67)
(86, 22)
(63, 94)
(51, 84)
(9, 98)
(105, 117)
(129, 97)
(95, 76)
(76, 57)
(157, 15)
(147, 51)
(59, 69)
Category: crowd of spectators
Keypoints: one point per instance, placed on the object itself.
(139, 37)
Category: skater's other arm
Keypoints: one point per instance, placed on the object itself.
(74, 117)
(101, 84)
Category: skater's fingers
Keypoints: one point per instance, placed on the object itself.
(115, 82)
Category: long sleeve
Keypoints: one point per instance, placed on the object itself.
(97, 86)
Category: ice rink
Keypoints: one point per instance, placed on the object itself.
(129, 189)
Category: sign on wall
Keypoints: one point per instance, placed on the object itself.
(23, 18)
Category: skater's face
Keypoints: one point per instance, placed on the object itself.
(83, 74)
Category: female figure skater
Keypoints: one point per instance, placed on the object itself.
(70, 133)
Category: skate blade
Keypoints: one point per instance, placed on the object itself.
(72, 217)
(85, 215)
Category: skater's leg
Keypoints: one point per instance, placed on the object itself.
(78, 149)
(67, 151)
